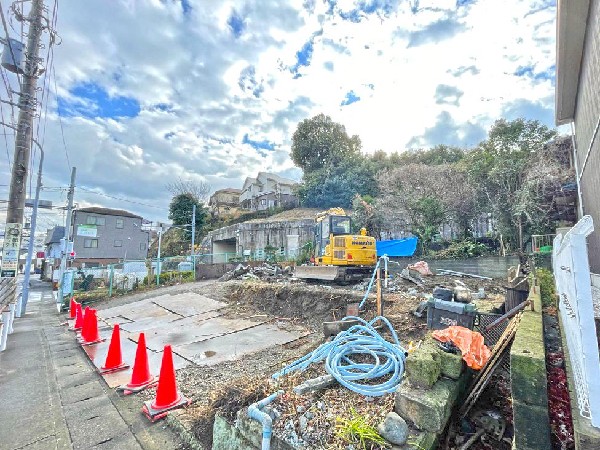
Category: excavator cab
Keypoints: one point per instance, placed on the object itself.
(330, 225)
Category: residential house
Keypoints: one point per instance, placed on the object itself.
(578, 102)
(225, 202)
(52, 251)
(103, 236)
(266, 191)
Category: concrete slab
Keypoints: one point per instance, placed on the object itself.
(97, 354)
(188, 303)
(141, 308)
(235, 345)
(145, 323)
(191, 329)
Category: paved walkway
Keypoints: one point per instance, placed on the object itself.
(52, 398)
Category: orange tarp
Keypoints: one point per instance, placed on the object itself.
(474, 351)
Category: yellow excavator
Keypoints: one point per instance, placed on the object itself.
(339, 255)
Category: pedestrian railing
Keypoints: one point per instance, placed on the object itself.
(8, 297)
(573, 282)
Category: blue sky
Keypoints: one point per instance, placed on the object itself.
(150, 90)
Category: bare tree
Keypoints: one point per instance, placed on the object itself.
(197, 189)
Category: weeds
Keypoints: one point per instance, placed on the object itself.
(357, 430)
(547, 288)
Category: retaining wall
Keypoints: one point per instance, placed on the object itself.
(528, 380)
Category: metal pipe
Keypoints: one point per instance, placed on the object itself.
(255, 412)
(507, 315)
(577, 177)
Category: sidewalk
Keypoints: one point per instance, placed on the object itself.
(52, 398)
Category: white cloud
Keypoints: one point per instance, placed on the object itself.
(428, 75)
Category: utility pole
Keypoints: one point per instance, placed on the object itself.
(193, 238)
(25, 291)
(63, 259)
(158, 257)
(27, 106)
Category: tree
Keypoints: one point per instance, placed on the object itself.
(498, 169)
(181, 210)
(337, 186)
(334, 169)
(319, 142)
(197, 189)
(424, 197)
(366, 214)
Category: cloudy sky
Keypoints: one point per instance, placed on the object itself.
(148, 91)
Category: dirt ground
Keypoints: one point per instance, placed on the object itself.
(233, 385)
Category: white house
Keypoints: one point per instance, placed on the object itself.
(266, 191)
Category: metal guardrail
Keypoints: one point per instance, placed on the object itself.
(572, 274)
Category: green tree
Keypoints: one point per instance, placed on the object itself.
(336, 186)
(499, 167)
(334, 168)
(180, 212)
(366, 214)
(320, 142)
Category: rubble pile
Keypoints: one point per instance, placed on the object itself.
(264, 272)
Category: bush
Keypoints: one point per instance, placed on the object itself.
(463, 249)
(172, 276)
(547, 287)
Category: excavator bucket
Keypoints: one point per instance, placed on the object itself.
(327, 273)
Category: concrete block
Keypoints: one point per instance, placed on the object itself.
(532, 427)
(528, 362)
(451, 364)
(423, 367)
(315, 385)
(228, 437)
(427, 409)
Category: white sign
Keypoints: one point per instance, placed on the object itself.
(87, 230)
(10, 251)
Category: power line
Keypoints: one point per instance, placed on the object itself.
(117, 198)
(62, 130)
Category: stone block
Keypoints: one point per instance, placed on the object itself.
(451, 364)
(532, 427)
(427, 409)
(528, 362)
(423, 366)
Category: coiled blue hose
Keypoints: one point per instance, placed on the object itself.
(387, 358)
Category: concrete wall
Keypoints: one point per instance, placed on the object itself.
(587, 114)
(528, 380)
(134, 241)
(252, 236)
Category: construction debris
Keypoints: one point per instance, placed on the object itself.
(461, 274)
(265, 272)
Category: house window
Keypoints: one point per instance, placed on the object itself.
(119, 223)
(90, 243)
(118, 243)
(95, 220)
(142, 246)
(263, 201)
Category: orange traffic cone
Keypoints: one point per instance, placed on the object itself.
(78, 317)
(114, 358)
(72, 308)
(85, 322)
(141, 377)
(90, 334)
(168, 396)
